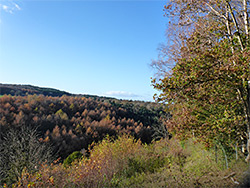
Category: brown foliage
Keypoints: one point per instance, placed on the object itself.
(72, 123)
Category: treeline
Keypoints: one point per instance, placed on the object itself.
(73, 123)
(22, 90)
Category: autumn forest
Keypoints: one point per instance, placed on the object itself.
(195, 134)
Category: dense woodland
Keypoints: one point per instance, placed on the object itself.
(73, 123)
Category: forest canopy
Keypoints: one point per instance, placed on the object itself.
(73, 123)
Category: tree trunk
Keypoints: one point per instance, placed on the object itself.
(236, 25)
(236, 151)
(248, 122)
(225, 155)
(216, 154)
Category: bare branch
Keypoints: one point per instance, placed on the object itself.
(236, 25)
(246, 21)
(216, 12)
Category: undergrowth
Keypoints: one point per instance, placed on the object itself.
(125, 162)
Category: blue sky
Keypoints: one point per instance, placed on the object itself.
(88, 47)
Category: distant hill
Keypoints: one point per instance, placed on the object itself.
(23, 90)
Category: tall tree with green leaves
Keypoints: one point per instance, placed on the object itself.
(205, 69)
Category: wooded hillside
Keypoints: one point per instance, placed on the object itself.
(72, 123)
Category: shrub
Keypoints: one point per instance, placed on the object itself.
(77, 155)
(125, 162)
(21, 151)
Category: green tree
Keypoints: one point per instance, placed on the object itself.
(205, 70)
(76, 155)
(60, 113)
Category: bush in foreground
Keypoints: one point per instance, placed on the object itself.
(76, 155)
(21, 151)
(125, 162)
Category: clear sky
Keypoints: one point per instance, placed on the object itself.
(84, 47)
